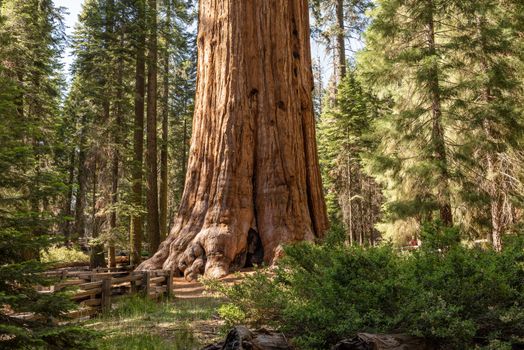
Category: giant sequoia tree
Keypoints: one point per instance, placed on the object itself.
(253, 180)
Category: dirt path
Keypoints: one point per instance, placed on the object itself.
(192, 296)
(187, 322)
(192, 290)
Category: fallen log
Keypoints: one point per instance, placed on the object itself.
(367, 341)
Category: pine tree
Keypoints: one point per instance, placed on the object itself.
(136, 228)
(403, 61)
(31, 37)
(486, 57)
(153, 228)
(352, 196)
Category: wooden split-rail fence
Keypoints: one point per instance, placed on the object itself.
(96, 291)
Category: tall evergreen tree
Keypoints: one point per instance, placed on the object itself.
(488, 97)
(31, 37)
(404, 59)
(136, 229)
(352, 196)
(153, 227)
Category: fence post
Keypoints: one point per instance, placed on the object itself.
(146, 282)
(133, 283)
(169, 284)
(106, 294)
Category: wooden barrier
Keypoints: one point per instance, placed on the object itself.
(96, 291)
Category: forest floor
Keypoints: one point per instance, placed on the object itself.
(189, 321)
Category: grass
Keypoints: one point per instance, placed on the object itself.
(139, 323)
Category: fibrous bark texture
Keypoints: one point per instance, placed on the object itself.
(253, 180)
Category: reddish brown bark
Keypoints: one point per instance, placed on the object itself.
(253, 180)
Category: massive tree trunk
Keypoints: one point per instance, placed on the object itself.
(253, 180)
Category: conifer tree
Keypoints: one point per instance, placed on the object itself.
(136, 229)
(403, 59)
(352, 196)
(486, 58)
(153, 228)
(31, 37)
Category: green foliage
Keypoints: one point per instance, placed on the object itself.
(232, 315)
(31, 36)
(352, 196)
(63, 255)
(257, 300)
(452, 295)
(475, 68)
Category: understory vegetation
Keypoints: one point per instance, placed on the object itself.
(139, 323)
(455, 296)
(63, 255)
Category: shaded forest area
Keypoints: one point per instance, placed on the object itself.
(413, 117)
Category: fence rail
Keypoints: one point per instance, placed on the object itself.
(98, 290)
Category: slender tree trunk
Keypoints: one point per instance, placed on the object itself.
(82, 182)
(253, 180)
(138, 141)
(114, 201)
(153, 230)
(165, 128)
(494, 182)
(496, 206)
(69, 199)
(97, 251)
(349, 194)
(437, 135)
(341, 40)
(115, 172)
(117, 139)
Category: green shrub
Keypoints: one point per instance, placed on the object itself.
(456, 296)
(63, 255)
(232, 314)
